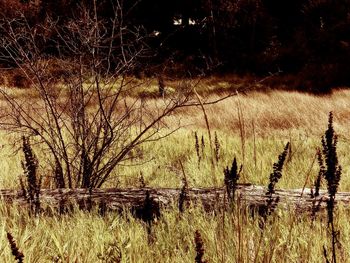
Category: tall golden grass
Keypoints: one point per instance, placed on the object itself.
(269, 119)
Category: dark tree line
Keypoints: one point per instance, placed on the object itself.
(308, 38)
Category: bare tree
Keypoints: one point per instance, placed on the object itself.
(85, 120)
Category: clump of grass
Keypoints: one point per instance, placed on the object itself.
(231, 178)
(31, 189)
(111, 254)
(332, 175)
(14, 249)
(199, 248)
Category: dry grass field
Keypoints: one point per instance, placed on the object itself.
(253, 127)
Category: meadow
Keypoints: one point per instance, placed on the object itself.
(252, 126)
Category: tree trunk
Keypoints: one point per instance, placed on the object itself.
(210, 198)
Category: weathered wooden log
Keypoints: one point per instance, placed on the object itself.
(131, 198)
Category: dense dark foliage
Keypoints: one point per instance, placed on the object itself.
(308, 38)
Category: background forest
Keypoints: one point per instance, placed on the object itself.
(306, 40)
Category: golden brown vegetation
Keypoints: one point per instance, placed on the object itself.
(252, 127)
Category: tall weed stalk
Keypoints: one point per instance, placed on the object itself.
(30, 188)
(19, 257)
(332, 174)
(275, 176)
(232, 176)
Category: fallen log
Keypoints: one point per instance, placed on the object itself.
(210, 198)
